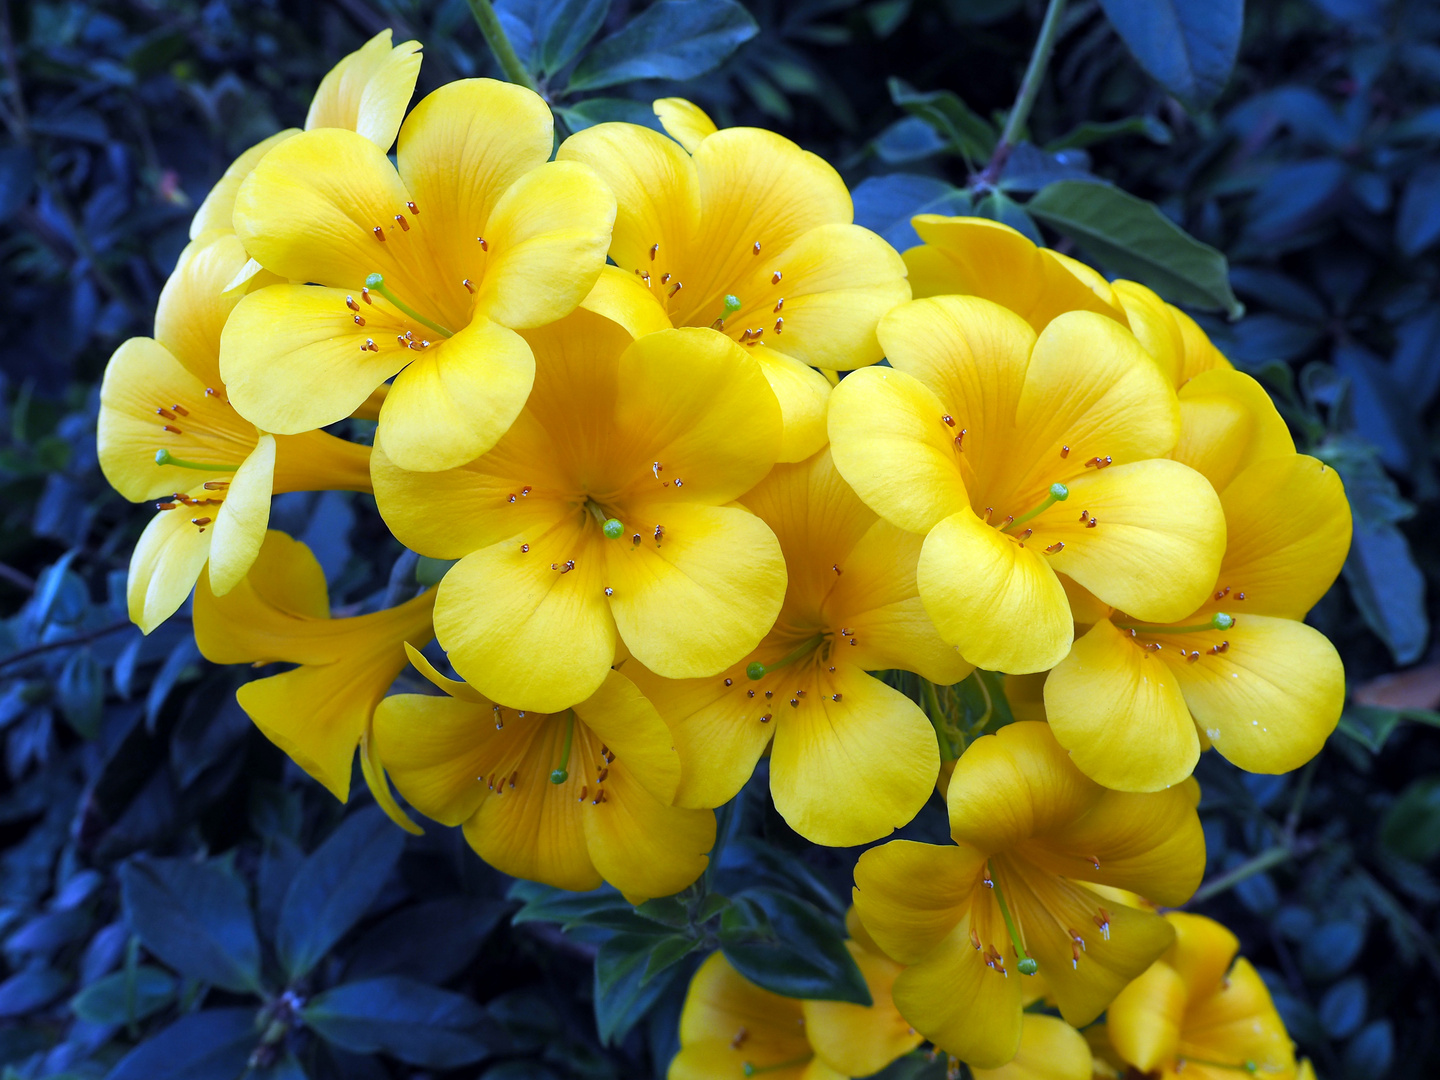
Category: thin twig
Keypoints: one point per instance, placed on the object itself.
(15, 577)
(499, 43)
(51, 646)
(1029, 89)
(1256, 864)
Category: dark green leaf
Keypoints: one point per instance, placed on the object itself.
(997, 206)
(966, 133)
(788, 947)
(1131, 237)
(418, 1024)
(569, 26)
(671, 39)
(1370, 727)
(429, 571)
(334, 887)
(603, 908)
(1411, 827)
(1095, 131)
(123, 997)
(604, 110)
(195, 917)
(668, 952)
(1187, 46)
(622, 996)
(211, 1045)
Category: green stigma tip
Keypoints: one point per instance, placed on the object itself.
(375, 281)
(1222, 621)
(613, 529)
(162, 457)
(756, 670)
(1059, 492)
(732, 305)
(559, 776)
(748, 1069)
(1028, 966)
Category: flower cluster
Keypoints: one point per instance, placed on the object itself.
(605, 385)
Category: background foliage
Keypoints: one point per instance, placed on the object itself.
(178, 901)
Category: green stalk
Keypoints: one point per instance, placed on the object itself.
(1029, 89)
(1027, 964)
(560, 775)
(1220, 621)
(499, 43)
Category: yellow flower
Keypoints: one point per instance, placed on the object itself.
(1199, 1012)
(320, 711)
(977, 257)
(423, 274)
(1135, 703)
(366, 92)
(1050, 1049)
(853, 758)
(601, 516)
(1023, 458)
(569, 798)
(742, 230)
(1030, 829)
(167, 431)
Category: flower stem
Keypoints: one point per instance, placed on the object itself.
(1029, 89)
(499, 43)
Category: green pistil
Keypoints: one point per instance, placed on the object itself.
(613, 528)
(732, 305)
(1027, 965)
(758, 670)
(750, 1069)
(376, 283)
(164, 457)
(1245, 1066)
(1220, 621)
(1058, 493)
(560, 775)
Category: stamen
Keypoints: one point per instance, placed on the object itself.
(757, 671)
(739, 1039)
(750, 1069)
(665, 278)
(365, 295)
(729, 682)
(413, 208)
(467, 284)
(1099, 462)
(1055, 548)
(359, 320)
(499, 718)
(483, 245)
(960, 439)
(654, 250)
(400, 220)
(659, 534)
(369, 346)
(657, 469)
(775, 277)
(834, 697)
(779, 326)
(560, 775)
(379, 233)
(216, 485)
(1027, 965)
(948, 420)
(1215, 650)
(162, 411)
(1102, 920)
(166, 505)
(1219, 621)
(756, 249)
(173, 430)
(164, 457)
(1064, 451)
(778, 304)
(377, 282)
(609, 591)
(836, 568)
(201, 521)
(676, 287)
(765, 719)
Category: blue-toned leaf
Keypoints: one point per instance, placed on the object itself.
(1332, 948)
(603, 907)
(569, 26)
(1417, 224)
(1028, 168)
(788, 947)
(17, 179)
(1187, 46)
(965, 132)
(997, 206)
(623, 996)
(1388, 588)
(394, 1015)
(1371, 1052)
(287, 1068)
(1096, 131)
(1293, 198)
(604, 110)
(908, 139)
(1132, 238)
(885, 205)
(671, 39)
(211, 1045)
(195, 917)
(334, 888)
(27, 991)
(1343, 1007)
(432, 941)
(123, 997)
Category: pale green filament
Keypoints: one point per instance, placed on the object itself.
(560, 775)
(758, 670)
(1027, 964)
(1058, 493)
(1220, 621)
(164, 457)
(377, 283)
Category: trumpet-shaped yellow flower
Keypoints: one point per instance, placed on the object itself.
(1135, 702)
(977, 257)
(1050, 1049)
(853, 758)
(601, 516)
(167, 431)
(422, 272)
(1030, 831)
(743, 231)
(320, 711)
(1200, 1012)
(569, 798)
(366, 92)
(1023, 458)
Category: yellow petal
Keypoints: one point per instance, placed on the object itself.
(656, 188)
(1239, 1024)
(166, 562)
(803, 395)
(889, 443)
(696, 601)
(457, 399)
(621, 298)
(240, 524)
(547, 235)
(367, 91)
(308, 209)
(684, 121)
(1289, 530)
(1050, 1049)
(142, 377)
(1227, 423)
(1202, 953)
(1146, 1018)
(1269, 702)
(1154, 327)
(986, 259)
(375, 779)
(995, 600)
(293, 361)
(624, 720)
(846, 772)
(857, 1040)
(837, 281)
(193, 305)
(1118, 709)
(524, 634)
(910, 896)
(960, 1004)
(434, 748)
(461, 149)
(218, 209)
(318, 461)
(1201, 355)
(729, 1021)
(1157, 548)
